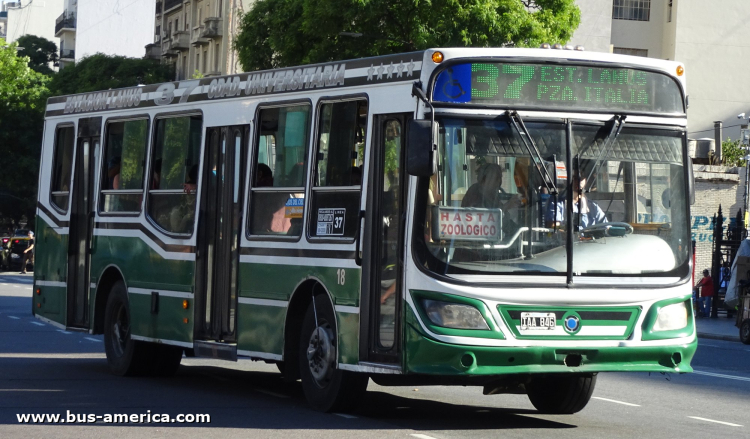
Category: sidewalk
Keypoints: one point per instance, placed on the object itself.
(720, 328)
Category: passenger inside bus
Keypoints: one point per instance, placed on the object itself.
(113, 173)
(264, 176)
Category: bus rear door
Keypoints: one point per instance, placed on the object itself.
(217, 260)
(82, 221)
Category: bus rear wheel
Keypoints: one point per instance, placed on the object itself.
(326, 388)
(561, 394)
(125, 356)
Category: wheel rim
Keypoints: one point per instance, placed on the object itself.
(120, 331)
(746, 331)
(321, 355)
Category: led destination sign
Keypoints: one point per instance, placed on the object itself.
(558, 86)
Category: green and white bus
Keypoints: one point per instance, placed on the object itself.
(515, 219)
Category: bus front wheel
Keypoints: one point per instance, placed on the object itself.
(561, 394)
(326, 388)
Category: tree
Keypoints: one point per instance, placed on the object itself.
(733, 153)
(23, 93)
(40, 52)
(277, 33)
(103, 72)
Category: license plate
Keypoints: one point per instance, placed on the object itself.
(537, 320)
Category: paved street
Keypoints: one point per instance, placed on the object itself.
(47, 370)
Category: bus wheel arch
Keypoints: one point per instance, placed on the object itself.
(107, 280)
(327, 388)
(295, 314)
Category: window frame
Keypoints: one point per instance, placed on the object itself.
(313, 158)
(149, 166)
(102, 166)
(253, 161)
(628, 6)
(72, 166)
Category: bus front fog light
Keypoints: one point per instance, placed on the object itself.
(672, 317)
(454, 315)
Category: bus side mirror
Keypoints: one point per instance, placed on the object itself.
(691, 181)
(420, 153)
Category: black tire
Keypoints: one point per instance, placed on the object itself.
(745, 331)
(330, 389)
(165, 359)
(125, 356)
(561, 394)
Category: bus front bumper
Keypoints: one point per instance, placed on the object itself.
(424, 355)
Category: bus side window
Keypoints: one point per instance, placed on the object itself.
(62, 165)
(277, 194)
(124, 159)
(338, 170)
(174, 166)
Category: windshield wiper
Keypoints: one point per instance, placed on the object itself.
(531, 147)
(617, 123)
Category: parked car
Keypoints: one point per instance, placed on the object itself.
(17, 245)
(5, 242)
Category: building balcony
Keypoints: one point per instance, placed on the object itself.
(153, 51)
(180, 40)
(66, 22)
(196, 38)
(171, 4)
(212, 27)
(67, 55)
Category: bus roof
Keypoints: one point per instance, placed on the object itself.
(331, 75)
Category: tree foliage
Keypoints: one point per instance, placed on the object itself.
(277, 33)
(23, 93)
(40, 51)
(104, 72)
(732, 153)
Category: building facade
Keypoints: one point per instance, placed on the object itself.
(196, 36)
(29, 17)
(65, 30)
(111, 27)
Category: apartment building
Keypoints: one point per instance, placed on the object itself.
(32, 17)
(196, 36)
(65, 30)
(112, 27)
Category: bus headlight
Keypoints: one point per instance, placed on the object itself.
(454, 315)
(672, 317)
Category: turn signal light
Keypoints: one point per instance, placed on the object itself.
(39, 305)
(38, 291)
(437, 57)
(680, 70)
(185, 304)
(185, 320)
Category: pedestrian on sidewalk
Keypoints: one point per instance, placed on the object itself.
(707, 293)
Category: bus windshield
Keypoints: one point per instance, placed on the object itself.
(491, 210)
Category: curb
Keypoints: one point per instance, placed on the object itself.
(719, 337)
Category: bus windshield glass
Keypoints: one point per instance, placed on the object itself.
(560, 86)
(491, 210)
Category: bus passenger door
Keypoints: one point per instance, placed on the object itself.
(220, 221)
(82, 221)
(383, 242)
